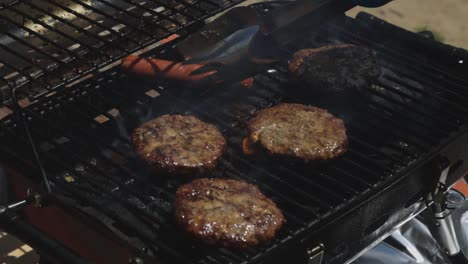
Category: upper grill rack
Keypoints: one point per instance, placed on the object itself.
(47, 44)
(83, 137)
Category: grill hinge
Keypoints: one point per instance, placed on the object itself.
(315, 255)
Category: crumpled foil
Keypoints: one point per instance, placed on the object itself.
(414, 244)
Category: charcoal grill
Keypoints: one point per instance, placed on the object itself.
(407, 128)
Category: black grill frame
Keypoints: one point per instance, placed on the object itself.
(109, 31)
(371, 197)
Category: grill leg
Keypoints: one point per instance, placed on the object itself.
(447, 236)
(458, 259)
(442, 225)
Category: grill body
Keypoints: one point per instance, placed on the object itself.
(401, 134)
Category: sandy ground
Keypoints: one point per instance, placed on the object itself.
(447, 18)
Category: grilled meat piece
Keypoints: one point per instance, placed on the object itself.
(306, 132)
(162, 69)
(181, 144)
(341, 68)
(170, 70)
(228, 213)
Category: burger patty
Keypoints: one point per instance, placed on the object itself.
(228, 213)
(336, 68)
(306, 132)
(176, 143)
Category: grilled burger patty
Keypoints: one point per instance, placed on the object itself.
(176, 143)
(335, 68)
(228, 213)
(306, 132)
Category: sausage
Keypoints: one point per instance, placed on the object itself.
(165, 69)
(247, 83)
(169, 70)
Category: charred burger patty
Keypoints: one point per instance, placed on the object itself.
(335, 68)
(306, 132)
(176, 143)
(228, 213)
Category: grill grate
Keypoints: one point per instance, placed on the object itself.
(50, 44)
(84, 142)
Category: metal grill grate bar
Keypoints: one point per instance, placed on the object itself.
(39, 36)
(106, 32)
(116, 18)
(21, 56)
(126, 36)
(73, 39)
(140, 18)
(29, 45)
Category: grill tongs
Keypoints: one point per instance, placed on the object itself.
(258, 40)
(240, 42)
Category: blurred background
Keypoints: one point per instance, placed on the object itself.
(447, 19)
